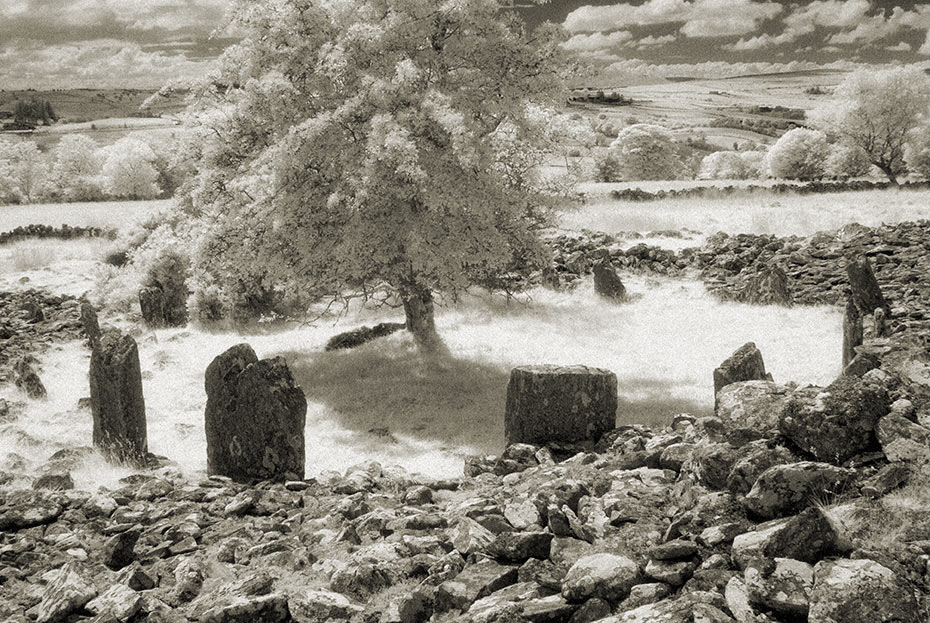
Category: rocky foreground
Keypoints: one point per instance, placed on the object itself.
(791, 504)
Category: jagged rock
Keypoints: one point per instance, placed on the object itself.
(808, 536)
(903, 440)
(362, 335)
(749, 410)
(885, 480)
(136, 578)
(54, 482)
(673, 573)
(607, 576)
(737, 598)
(685, 609)
(27, 379)
(852, 334)
(468, 536)
(757, 456)
(25, 509)
(592, 610)
(523, 515)
(254, 419)
(866, 293)
(643, 594)
(66, 594)
(473, 583)
(118, 551)
(559, 403)
(782, 585)
(241, 609)
(710, 464)
(319, 606)
(743, 365)
(607, 282)
(547, 609)
(836, 422)
(117, 404)
(679, 549)
(119, 602)
(860, 590)
(785, 489)
(768, 287)
(188, 580)
(518, 547)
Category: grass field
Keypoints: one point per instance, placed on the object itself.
(118, 214)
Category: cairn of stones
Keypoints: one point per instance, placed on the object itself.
(254, 419)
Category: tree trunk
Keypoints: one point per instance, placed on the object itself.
(886, 169)
(418, 310)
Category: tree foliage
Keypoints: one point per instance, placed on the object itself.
(76, 168)
(876, 110)
(33, 111)
(129, 169)
(730, 165)
(799, 154)
(846, 160)
(370, 146)
(646, 152)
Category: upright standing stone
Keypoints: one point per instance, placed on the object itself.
(559, 404)
(27, 379)
(607, 282)
(152, 304)
(255, 416)
(744, 365)
(852, 332)
(116, 398)
(90, 322)
(866, 294)
(769, 287)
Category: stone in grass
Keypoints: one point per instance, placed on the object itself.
(607, 576)
(785, 489)
(547, 403)
(866, 294)
(90, 323)
(861, 590)
(254, 418)
(607, 282)
(768, 287)
(116, 400)
(743, 365)
(66, 594)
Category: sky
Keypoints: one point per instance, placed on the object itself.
(146, 43)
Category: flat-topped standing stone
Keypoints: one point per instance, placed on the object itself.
(116, 398)
(559, 403)
(744, 365)
(255, 416)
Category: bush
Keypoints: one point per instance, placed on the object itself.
(725, 165)
(800, 154)
(846, 160)
(607, 169)
(647, 152)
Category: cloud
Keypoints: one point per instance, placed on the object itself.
(638, 70)
(597, 44)
(651, 41)
(701, 18)
(877, 27)
(925, 48)
(903, 46)
(104, 63)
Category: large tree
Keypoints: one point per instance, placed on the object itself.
(363, 146)
(876, 110)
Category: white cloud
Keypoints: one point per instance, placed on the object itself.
(702, 18)
(650, 41)
(877, 27)
(637, 70)
(925, 48)
(903, 46)
(598, 43)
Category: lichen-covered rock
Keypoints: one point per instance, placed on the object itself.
(607, 576)
(768, 287)
(119, 601)
(116, 400)
(903, 440)
(254, 419)
(755, 458)
(860, 590)
(710, 464)
(473, 583)
(782, 585)
(836, 422)
(271, 608)
(25, 509)
(317, 606)
(785, 489)
(808, 537)
(559, 404)
(750, 410)
(66, 594)
(743, 365)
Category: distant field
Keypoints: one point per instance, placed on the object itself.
(89, 104)
(119, 214)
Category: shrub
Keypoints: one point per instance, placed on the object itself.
(846, 160)
(129, 170)
(800, 154)
(725, 165)
(607, 168)
(647, 152)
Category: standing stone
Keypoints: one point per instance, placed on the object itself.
(152, 304)
(866, 294)
(27, 379)
(116, 400)
(768, 287)
(607, 282)
(744, 365)
(90, 322)
(548, 403)
(255, 416)
(852, 332)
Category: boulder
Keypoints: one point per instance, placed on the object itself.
(116, 400)
(750, 410)
(808, 536)
(768, 287)
(119, 602)
(254, 419)
(473, 583)
(559, 404)
(860, 590)
(607, 282)
(866, 295)
(785, 489)
(607, 576)
(837, 422)
(782, 585)
(903, 440)
(755, 457)
(743, 365)
(66, 594)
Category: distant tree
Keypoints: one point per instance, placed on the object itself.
(799, 154)
(26, 169)
(76, 168)
(129, 170)
(647, 152)
(33, 111)
(876, 110)
(726, 165)
(846, 160)
(367, 148)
